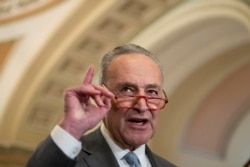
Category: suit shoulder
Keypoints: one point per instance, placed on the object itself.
(163, 162)
(93, 140)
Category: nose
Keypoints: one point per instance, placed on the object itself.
(141, 104)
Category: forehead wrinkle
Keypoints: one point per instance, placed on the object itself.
(126, 68)
(153, 85)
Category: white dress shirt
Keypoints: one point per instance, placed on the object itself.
(120, 153)
(72, 147)
(66, 142)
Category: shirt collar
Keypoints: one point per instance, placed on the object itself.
(119, 152)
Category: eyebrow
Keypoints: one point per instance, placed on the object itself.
(129, 84)
(153, 86)
(123, 84)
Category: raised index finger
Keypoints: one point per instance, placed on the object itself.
(89, 76)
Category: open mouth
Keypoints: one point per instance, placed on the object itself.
(138, 121)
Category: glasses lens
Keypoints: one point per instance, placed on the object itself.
(130, 101)
(156, 103)
(125, 101)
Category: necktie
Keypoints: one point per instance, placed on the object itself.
(132, 159)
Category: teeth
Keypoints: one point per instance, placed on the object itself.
(138, 122)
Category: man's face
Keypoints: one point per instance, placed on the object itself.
(130, 74)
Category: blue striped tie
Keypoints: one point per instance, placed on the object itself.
(132, 159)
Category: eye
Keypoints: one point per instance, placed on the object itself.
(127, 90)
(153, 93)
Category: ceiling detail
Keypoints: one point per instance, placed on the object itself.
(5, 48)
(13, 10)
(219, 114)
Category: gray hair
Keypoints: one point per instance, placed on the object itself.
(125, 49)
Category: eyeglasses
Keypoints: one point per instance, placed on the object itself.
(153, 103)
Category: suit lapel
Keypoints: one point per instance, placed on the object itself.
(151, 157)
(96, 151)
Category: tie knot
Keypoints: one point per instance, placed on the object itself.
(132, 159)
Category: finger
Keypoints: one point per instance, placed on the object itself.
(104, 91)
(102, 101)
(83, 91)
(107, 102)
(89, 76)
(98, 100)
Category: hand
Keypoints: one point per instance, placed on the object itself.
(85, 106)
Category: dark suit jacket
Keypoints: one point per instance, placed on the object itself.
(95, 153)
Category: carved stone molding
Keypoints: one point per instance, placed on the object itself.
(12, 10)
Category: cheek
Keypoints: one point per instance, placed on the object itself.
(155, 117)
(115, 117)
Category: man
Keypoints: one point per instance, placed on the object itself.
(127, 101)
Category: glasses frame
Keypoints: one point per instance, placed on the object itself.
(144, 97)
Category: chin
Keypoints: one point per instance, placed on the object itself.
(138, 140)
